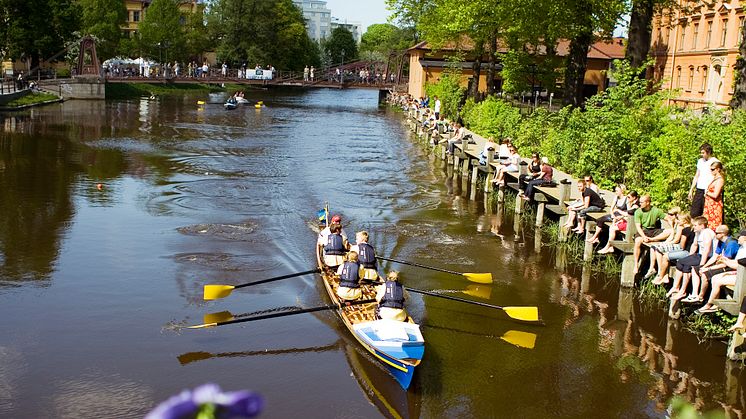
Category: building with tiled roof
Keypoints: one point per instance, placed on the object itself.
(427, 64)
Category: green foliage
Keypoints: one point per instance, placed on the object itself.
(625, 134)
(196, 36)
(36, 29)
(492, 118)
(103, 19)
(450, 92)
(681, 409)
(340, 47)
(30, 100)
(261, 32)
(137, 90)
(381, 39)
(161, 34)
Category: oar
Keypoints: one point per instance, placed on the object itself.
(283, 314)
(213, 292)
(482, 278)
(526, 314)
(520, 339)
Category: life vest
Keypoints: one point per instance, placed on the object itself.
(350, 276)
(367, 255)
(334, 245)
(394, 295)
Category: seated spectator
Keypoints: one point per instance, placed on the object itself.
(675, 247)
(509, 165)
(647, 221)
(619, 221)
(618, 208)
(726, 278)
(590, 202)
(670, 230)
(504, 151)
(489, 147)
(726, 248)
(547, 172)
(700, 252)
(534, 172)
(458, 138)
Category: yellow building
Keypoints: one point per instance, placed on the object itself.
(695, 48)
(136, 10)
(427, 65)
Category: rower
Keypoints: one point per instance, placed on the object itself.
(390, 296)
(335, 247)
(349, 279)
(367, 256)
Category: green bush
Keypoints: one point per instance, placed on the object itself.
(625, 134)
(449, 91)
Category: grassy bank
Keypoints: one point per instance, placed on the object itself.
(31, 99)
(136, 90)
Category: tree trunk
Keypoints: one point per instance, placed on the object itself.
(577, 61)
(640, 33)
(492, 51)
(739, 93)
(476, 69)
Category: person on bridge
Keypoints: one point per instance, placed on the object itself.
(224, 69)
(349, 279)
(390, 296)
(311, 73)
(305, 73)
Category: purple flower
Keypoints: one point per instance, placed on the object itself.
(236, 404)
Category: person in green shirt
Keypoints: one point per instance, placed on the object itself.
(647, 221)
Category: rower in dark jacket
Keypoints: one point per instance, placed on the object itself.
(349, 279)
(366, 256)
(335, 248)
(390, 296)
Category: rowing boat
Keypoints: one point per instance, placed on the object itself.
(399, 346)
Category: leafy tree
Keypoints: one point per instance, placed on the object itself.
(341, 46)
(36, 29)
(196, 35)
(381, 39)
(103, 19)
(161, 34)
(739, 94)
(261, 32)
(409, 13)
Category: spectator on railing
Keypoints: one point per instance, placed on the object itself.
(312, 74)
(690, 265)
(224, 69)
(618, 209)
(726, 249)
(306, 72)
(702, 179)
(675, 248)
(546, 173)
(458, 138)
(669, 235)
(489, 147)
(534, 171)
(437, 106)
(590, 201)
(508, 165)
(647, 221)
(619, 222)
(205, 69)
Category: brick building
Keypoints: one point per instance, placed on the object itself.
(695, 48)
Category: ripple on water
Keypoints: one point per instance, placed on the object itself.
(235, 232)
(123, 144)
(99, 396)
(228, 261)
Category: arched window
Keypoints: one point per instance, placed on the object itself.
(705, 70)
(678, 77)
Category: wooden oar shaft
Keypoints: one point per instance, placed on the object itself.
(403, 262)
(290, 313)
(448, 297)
(277, 278)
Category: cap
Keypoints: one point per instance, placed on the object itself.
(742, 233)
(336, 218)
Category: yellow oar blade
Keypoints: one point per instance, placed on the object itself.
(520, 339)
(223, 316)
(202, 326)
(214, 292)
(526, 314)
(478, 291)
(482, 278)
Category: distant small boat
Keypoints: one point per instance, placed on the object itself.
(242, 101)
(231, 104)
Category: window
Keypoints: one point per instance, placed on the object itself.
(690, 84)
(724, 34)
(740, 31)
(704, 79)
(695, 36)
(678, 77)
(135, 15)
(683, 36)
(709, 34)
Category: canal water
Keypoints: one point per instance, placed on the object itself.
(114, 214)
